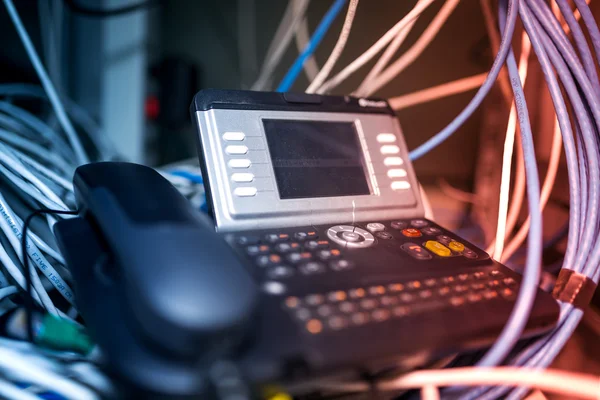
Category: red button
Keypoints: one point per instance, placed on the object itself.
(411, 232)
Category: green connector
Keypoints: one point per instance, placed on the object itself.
(61, 334)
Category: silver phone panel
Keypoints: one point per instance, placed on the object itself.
(244, 189)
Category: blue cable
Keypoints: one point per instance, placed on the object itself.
(483, 91)
(313, 43)
(187, 175)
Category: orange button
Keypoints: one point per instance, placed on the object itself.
(335, 252)
(411, 232)
(314, 326)
(274, 258)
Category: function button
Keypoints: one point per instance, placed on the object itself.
(328, 254)
(384, 235)
(438, 248)
(457, 301)
(314, 244)
(246, 240)
(396, 287)
(396, 173)
(406, 297)
(264, 261)
(274, 288)
(431, 230)
(386, 138)
(299, 257)
(376, 290)
(390, 149)
(234, 136)
(469, 254)
(444, 291)
(314, 299)
(444, 239)
(392, 161)
(414, 285)
(325, 310)
(239, 163)
(387, 301)
(411, 232)
(303, 314)
(419, 223)
(276, 237)
(368, 304)
(337, 296)
(357, 293)
(280, 272)
(456, 246)
(359, 318)
(292, 302)
(380, 315)
(400, 311)
(284, 247)
(416, 251)
(351, 236)
(340, 265)
(337, 322)
(347, 307)
(242, 177)
(474, 297)
(236, 150)
(245, 191)
(314, 326)
(257, 249)
(312, 268)
(430, 282)
(400, 185)
(375, 226)
(398, 224)
(509, 281)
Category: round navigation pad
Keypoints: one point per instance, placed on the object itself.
(350, 236)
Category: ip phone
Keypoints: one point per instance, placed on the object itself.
(316, 259)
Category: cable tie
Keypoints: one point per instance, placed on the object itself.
(574, 288)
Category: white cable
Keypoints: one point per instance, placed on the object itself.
(17, 363)
(7, 291)
(37, 240)
(27, 188)
(375, 48)
(65, 183)
(437, 92)
(289, 24)
(553, 165)
(9, 391)
(508, 153)
(337, 50)
(47, 84)
(415, 51)
(14, 232)
(302, 36)
(571, 384)
(384, 60)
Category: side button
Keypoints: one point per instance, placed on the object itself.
(245, 191)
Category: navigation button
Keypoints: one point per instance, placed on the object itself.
(234, 136)
(236, 149)
(386, 138)
(351, 236)
(239, 163)
(245, 191)
(242, 177)
(390, 149)
(392, 161)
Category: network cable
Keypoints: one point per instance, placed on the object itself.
(324, 25)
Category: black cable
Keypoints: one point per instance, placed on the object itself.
(107, 13)
(29, 303)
